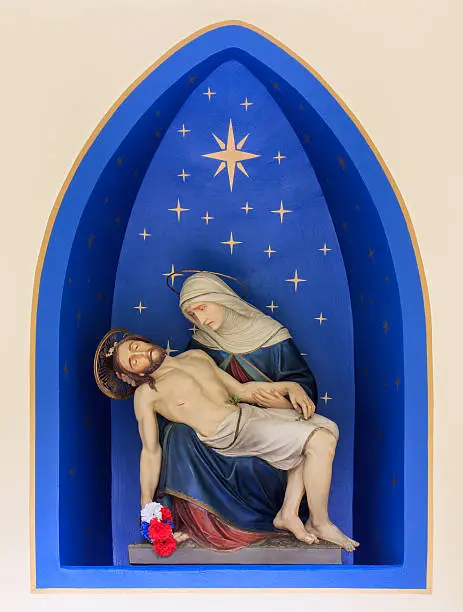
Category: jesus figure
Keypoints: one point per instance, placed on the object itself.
(225, 415)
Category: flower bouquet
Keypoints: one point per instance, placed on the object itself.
(157, 527)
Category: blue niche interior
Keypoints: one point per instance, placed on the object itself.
(188, 240)
(368, 288)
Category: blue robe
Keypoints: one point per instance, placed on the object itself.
(245, 491)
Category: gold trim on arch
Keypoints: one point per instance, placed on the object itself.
(38, 273)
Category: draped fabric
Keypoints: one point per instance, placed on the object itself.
(224, 501)
(244, 328)
(209, 530)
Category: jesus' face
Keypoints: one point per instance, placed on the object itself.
(206, 314)
(140, 357)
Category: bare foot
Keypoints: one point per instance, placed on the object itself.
(180, 536)
(294, 524)
(329, 532)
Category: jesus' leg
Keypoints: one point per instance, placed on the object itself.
(317, 470)
(288, 517)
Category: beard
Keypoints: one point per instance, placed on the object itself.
(157, 356)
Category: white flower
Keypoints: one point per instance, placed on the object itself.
(111, 350)
(151, 511)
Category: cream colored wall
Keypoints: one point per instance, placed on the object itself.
(396, 64)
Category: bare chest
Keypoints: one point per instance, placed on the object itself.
(195, 379)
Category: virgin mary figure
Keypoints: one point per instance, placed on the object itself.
(226, 503)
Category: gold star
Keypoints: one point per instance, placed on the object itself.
(158, 113)
(209, 93)
(326, 398)
(279, 157)
(70, 280)
(71, 471)
(325, 249)
(183, 131)
(65, 368)
(371, 253)
(247, 208)
(397, 383)
(321, 318)
(78, 316)
(183, 174)
(140, 307)
(272, 306)
(173, 274)
(106, 200)
(296, 280)
(145, 234)
(170, 350)
(120, 160)
(158, 133)
(281, 211)
(357, 207)
(269, 251)
(275, 85)
(231, 156)
(362, 298)
(99, 295)
(342, 162)
(246, 104)
(193, 329)
(385, 326)
(90, 240)
(118, 219)
(301, 107)
(344, 227)
(192, 79)
(231, 243)
(178, 209)
(306, 138)
(394, 481)
(207, 218)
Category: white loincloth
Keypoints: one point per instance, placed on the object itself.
(276, 435)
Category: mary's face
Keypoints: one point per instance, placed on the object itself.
(206, 314)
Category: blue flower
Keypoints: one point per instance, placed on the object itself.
(144, 530)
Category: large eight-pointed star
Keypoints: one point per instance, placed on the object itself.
(230, 155)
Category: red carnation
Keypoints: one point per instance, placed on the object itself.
(164, 546)
(166, 514)
(158, 530)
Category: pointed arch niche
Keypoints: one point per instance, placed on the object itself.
(72, 538)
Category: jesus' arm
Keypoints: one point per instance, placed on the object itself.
(150, 458)
(251, 392)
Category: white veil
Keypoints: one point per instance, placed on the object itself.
(244, 329)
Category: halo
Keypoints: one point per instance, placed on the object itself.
(173, 274)
(103, 367)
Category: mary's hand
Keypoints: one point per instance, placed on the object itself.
(300, 400)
